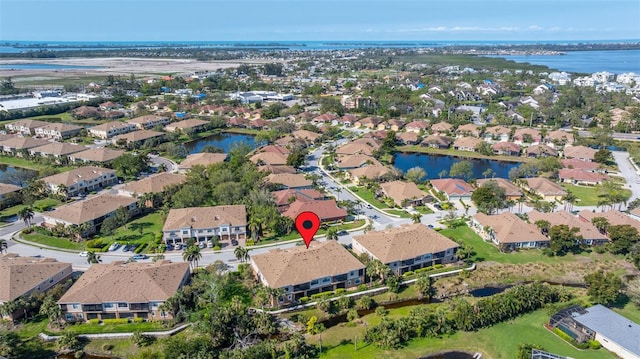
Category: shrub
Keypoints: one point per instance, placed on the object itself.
(115, 321)
(94, 321)
(362, 287)
(138, 320)
(94, 243)
(250, 242)
(438, 266)
(304, 300)
(562, 335)
(407, 274)
(216, 248)
(141, 248)
(340, 291)
(594, 344)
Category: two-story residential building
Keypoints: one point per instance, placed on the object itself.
(111, 129)
(589, 233)
(124, 290)
(80, 180)
(156, 183)
(25, 127)
(93, 211)
(149, 121)
(545, 188)
(22, 276)
(58, 131)
(201, 159)
(56, 149)
(9, 195)
(136, 139)
(19, 146)
(302, 272)
(101, 156)
(406, 248)
(204, 223)
(191, 124)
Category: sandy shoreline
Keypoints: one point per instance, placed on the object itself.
(115, 66)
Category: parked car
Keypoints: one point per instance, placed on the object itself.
(83, 254)
(127, 248)
(430, 225)
(137, 257)
(114, 246)
(202, 245)
(209, 244)
(369, 206)
(234, 242)
(169, 247)
(343, 233)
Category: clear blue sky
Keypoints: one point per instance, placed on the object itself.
(219, 20)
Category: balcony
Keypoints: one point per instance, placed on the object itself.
(136, 307)
(92, 307)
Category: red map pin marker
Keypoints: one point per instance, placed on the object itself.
(307, 224)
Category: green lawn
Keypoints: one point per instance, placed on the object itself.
(485, 251)
(53, 241)
(368, 196)
(321, 231)
(398, 212)
(38, 205)
(87, 328)
(23, 163)
(587, 196)
(497, 342)
(141, 230)
(423, 209)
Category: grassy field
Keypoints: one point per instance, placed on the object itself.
(141, 230)
(398, 212)
(587, 196)
(485, 251)
(500, 341)
(53, 241)
(368, 196)
(39, 204)
(23, 163)
(87, 328)
(321, 231)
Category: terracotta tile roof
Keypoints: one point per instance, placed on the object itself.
(19, 275)
(467, 142)
(469, 127)
(30, 124)
(127, 282)
(559, 135)
(137, 136)
(400, 191)
(325, 209)
(8, 188)
(89, 209)
(452, 186)
(416, 125)
(615, 217)
(442, 141)
(58, 149)
(298, 265)
(97, 155)
(587, 230)
(506, 147)
(545, 187)
(61, 127)
(579, 165)
(86, 173)
(353, 161)
(541, 149)
(303, 195)
(510, 189)
(289, 180)
(156, 183)
(372, 171)
(361, 145)
(113, 125)
(20, 143)
(579, 152)
(275, 149)
(306, 135)
(146, 119)
(181, 125)
(202, 159)
(441, 127)
(580, 175)
(205, 217)
(407, 137)
(509, 228)
(404, 242)
(270, 158)
(498, 130)
(277, 169)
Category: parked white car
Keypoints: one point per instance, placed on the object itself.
(83, 254)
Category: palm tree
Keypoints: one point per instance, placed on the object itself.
(255, 226)
(601, 223)
(3, 245)
(241, 253)
(543, 225)
(192, 255)
(92, 257)
(332, 234)
(26, 214)
(338, 190)
(416, 217)
(569, 200)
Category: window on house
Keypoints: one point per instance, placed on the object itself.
(108, 305)
(74, 306)
(122, 305)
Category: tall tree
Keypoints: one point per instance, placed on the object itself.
(93, 258)
(26, 214)
(463, 169)
(603, 288)
(489, 197)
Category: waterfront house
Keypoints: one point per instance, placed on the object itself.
(614, 217)
(19, 146)
(204, 223)
(120, 290)
(539, 151)
(371, 172)
(80, 180)
(56, 149)
(193, 125)
(416, 126)
(408, 138)
(201, 159)
(110, 129)
(136, 139)
(506, 149)
(454, 188)
(466, 144)
(347, 162)
(21, 277)
(403, 193)
(435, 141)
(302, 272)
(156, 183)
(406, 248)
(508, 231)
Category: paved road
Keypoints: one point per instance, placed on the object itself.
(629, 172)
(163, 161)
(615, 135)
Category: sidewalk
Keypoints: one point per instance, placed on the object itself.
(168, 333)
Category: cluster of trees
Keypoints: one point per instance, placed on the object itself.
(603, 288)
(489, 197)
